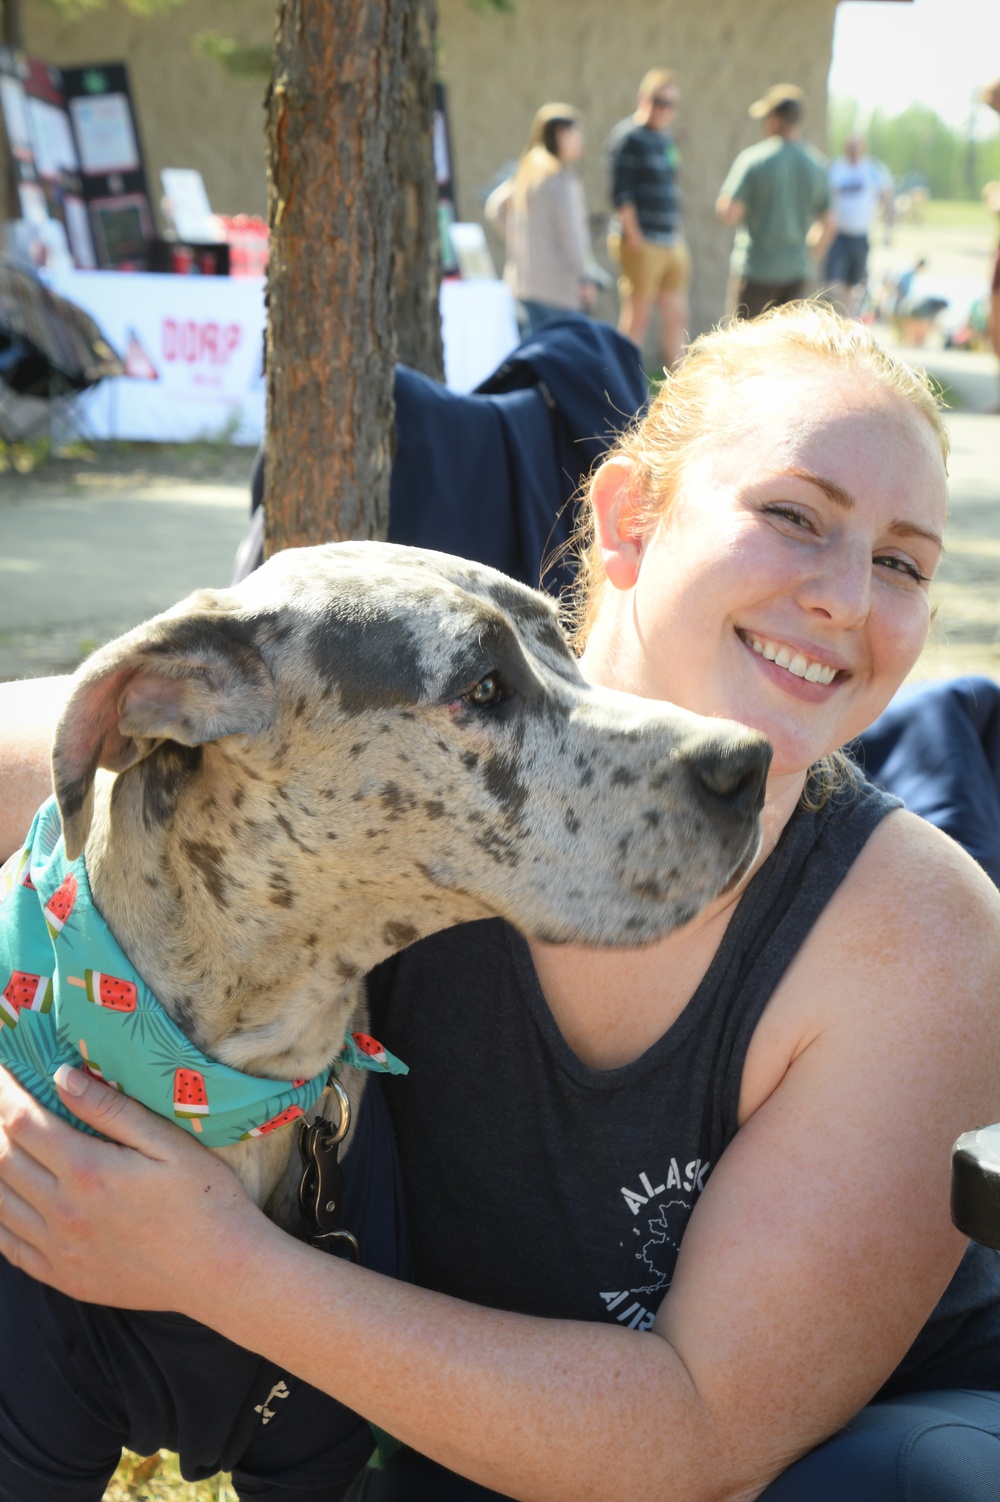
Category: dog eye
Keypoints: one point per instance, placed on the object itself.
(487, 693)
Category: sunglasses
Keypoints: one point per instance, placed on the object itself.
(664, 101)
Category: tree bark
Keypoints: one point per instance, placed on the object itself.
(417, 261)
(333, 124)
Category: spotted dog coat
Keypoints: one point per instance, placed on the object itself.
(278, 785)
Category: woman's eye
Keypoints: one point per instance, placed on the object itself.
(485, 694)
(902, 566)
(789, 514)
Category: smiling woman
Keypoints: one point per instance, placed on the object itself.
(801, 471)
(678, 1211)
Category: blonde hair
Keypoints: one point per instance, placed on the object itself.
(691, 405)
(540, 158)
(655, 79)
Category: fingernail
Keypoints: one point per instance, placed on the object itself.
(71, 1081)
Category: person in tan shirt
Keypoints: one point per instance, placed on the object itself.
(543, 214)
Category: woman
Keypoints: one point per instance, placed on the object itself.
(710, 1177)
(542, 213)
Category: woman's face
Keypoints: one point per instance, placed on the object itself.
(569, 143)
(787, 588)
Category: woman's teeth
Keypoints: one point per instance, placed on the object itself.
(785, 657)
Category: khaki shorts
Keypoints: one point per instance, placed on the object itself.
(652, 268)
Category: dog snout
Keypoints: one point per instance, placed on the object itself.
(731, 772)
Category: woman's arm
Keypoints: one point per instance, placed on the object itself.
(29, 710)
(817, 1250)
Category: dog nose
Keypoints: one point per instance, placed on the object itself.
(732, 772)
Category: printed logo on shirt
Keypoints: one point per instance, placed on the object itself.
(661, 1211)
(267, 1413)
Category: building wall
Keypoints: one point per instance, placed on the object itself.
(190, 113)
(498, 69)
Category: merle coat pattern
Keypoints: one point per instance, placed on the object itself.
(280, 784)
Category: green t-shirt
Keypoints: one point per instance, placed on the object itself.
(783, 187)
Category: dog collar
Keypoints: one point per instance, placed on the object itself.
(70, 995)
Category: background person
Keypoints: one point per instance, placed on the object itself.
(777, 197)
(859, 187)
(678, 1212)
(543, 215)
(645, 238)
(991, 197)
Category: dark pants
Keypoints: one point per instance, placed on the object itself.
(847, 261)
(80, 1381)
(927, 1447)
(754, 298)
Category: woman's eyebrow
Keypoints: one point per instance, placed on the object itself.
(844, 499)
(839, 496)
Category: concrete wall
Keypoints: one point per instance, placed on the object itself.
(498, 69)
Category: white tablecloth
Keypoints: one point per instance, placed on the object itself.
(193, 347)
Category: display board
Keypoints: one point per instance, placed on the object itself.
(112, 173)
(445, 178)
(44, 156)
(76, 158)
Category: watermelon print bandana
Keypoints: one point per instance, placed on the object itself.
(70, 996)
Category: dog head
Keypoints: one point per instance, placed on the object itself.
(421, 719)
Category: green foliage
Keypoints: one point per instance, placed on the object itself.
(238, 60)
(954, 163)
(73, 10)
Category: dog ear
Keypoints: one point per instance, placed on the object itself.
(180, 677)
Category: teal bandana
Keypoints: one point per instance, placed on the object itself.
(71, 997)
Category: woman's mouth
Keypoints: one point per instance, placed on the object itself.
(793, 661)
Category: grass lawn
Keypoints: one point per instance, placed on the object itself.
(942, 213)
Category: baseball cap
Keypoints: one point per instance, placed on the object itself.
(777, 94)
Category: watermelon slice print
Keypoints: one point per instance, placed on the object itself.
(284, 1118)
(16, 872)
(370, 1046)
(60, 904)
(24, 993)
(91, 1067)
(107, 990)
(190, 1096)
(362, 1051)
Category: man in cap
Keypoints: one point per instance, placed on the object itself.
(777, 197)
(645, 238)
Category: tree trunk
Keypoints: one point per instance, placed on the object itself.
(333, 123)
(417, 262)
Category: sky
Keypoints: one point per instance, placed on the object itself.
(889, 55)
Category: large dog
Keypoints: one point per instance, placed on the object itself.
(277, 786)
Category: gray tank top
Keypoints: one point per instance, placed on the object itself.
(539, 1185)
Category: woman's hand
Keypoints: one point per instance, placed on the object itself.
(69, 1202)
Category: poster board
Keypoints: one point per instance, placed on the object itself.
(44, 157)
(445, 176)
(112, 175)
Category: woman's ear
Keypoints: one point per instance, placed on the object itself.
(613, 500)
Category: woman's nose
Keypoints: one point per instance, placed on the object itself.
(840, 587)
